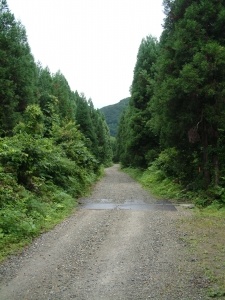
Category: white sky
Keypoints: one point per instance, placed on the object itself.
(94, 43)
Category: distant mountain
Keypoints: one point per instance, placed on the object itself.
(113, 113)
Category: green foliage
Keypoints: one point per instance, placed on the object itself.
(25, 214)
(40, 179)
(167, 162)
(113, 114)
(103, 137)
(134, 127)
(45, 80)
(51, 118)
(187, 106)
(84, 119)
(17, 71)
(66, 102)
(155, 181)
(114, 149)
(72, 142)
(52, 141)
(122, 153)
(33, 121)
(174, 124)
(93, 126)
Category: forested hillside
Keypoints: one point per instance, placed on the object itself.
(53, 141)
(113, 113)
(174, 126)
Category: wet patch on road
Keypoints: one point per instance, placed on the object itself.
(106, 204)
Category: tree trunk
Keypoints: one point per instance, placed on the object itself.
(216, 170)
(206, 172)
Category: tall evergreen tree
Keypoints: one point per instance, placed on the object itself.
(103, 137)
(17, 70)
(45, 81)
(123, 139)
(93, 125)
(84, 120)
(62, 91)
(141, 143)
(188, 106)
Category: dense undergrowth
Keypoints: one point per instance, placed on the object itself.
(164, 180)
(27, 213)
(40, 180)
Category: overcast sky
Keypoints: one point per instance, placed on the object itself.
(94, 43)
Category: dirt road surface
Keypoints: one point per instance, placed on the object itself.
(120, 244)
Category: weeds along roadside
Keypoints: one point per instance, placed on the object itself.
(32, 215)
(40, 182)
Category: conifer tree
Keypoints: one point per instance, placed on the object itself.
(188, 105)
(123, 138)
(84, 120)
(45, 81)
(17, 70)
(103, 139)
(141, 143)
(62, 91)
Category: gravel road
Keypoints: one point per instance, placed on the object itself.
(121, 243)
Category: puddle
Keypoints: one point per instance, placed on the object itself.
(131, 205)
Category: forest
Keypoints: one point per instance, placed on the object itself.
(53, 142)
(173, 129)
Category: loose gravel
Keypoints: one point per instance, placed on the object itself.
(108, 253)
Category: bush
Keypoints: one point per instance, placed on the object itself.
(168, 163)
(40, 178)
